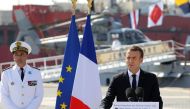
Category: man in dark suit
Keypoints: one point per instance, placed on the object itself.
(134, 77)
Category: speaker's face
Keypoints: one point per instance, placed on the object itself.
(133, 60)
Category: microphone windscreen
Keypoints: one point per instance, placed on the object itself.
(130, 92)
(139, 92)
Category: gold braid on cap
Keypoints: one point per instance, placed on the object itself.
(18, 44)
(19, 47)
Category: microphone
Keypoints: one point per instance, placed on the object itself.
(130, 94)
(139, 94)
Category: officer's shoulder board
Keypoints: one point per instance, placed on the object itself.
(35, 68)
(7, 68)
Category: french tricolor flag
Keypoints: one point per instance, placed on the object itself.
(134, 18)
(86, 92)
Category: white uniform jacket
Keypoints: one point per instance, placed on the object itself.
(18, 94)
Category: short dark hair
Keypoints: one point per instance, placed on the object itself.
(137, 48)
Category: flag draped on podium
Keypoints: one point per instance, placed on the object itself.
(68, 68)
(86, 89)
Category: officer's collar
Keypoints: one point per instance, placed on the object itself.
(18, 68)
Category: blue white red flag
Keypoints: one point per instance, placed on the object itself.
(134, 18)
(86, 89)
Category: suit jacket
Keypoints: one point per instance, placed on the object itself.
(120, 83)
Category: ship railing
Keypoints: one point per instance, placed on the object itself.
(44, 63)
(108, 58)
(151, 50)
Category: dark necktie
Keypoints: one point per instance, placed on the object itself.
(22, 73)
(134, 81)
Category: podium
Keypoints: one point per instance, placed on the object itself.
(135, 105)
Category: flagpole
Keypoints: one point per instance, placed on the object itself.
(89, 6)
(74, 2)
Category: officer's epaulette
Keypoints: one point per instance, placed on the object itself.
(35, 68)
(7, 68)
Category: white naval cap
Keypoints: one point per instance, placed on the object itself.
(115, 36)
(20, 45)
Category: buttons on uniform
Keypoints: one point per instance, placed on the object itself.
(22, 94)
(22, 86)
(22, 103)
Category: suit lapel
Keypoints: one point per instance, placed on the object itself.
(15, 75)
(28, 72)
(127, 79)
(141, 78)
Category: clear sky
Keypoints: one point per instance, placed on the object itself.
(7, 4)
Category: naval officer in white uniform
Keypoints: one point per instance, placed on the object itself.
(116, 44)
(21, 85)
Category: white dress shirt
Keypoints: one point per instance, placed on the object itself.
(19, 70)
(131, 77)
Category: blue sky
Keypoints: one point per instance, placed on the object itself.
(7, 4)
